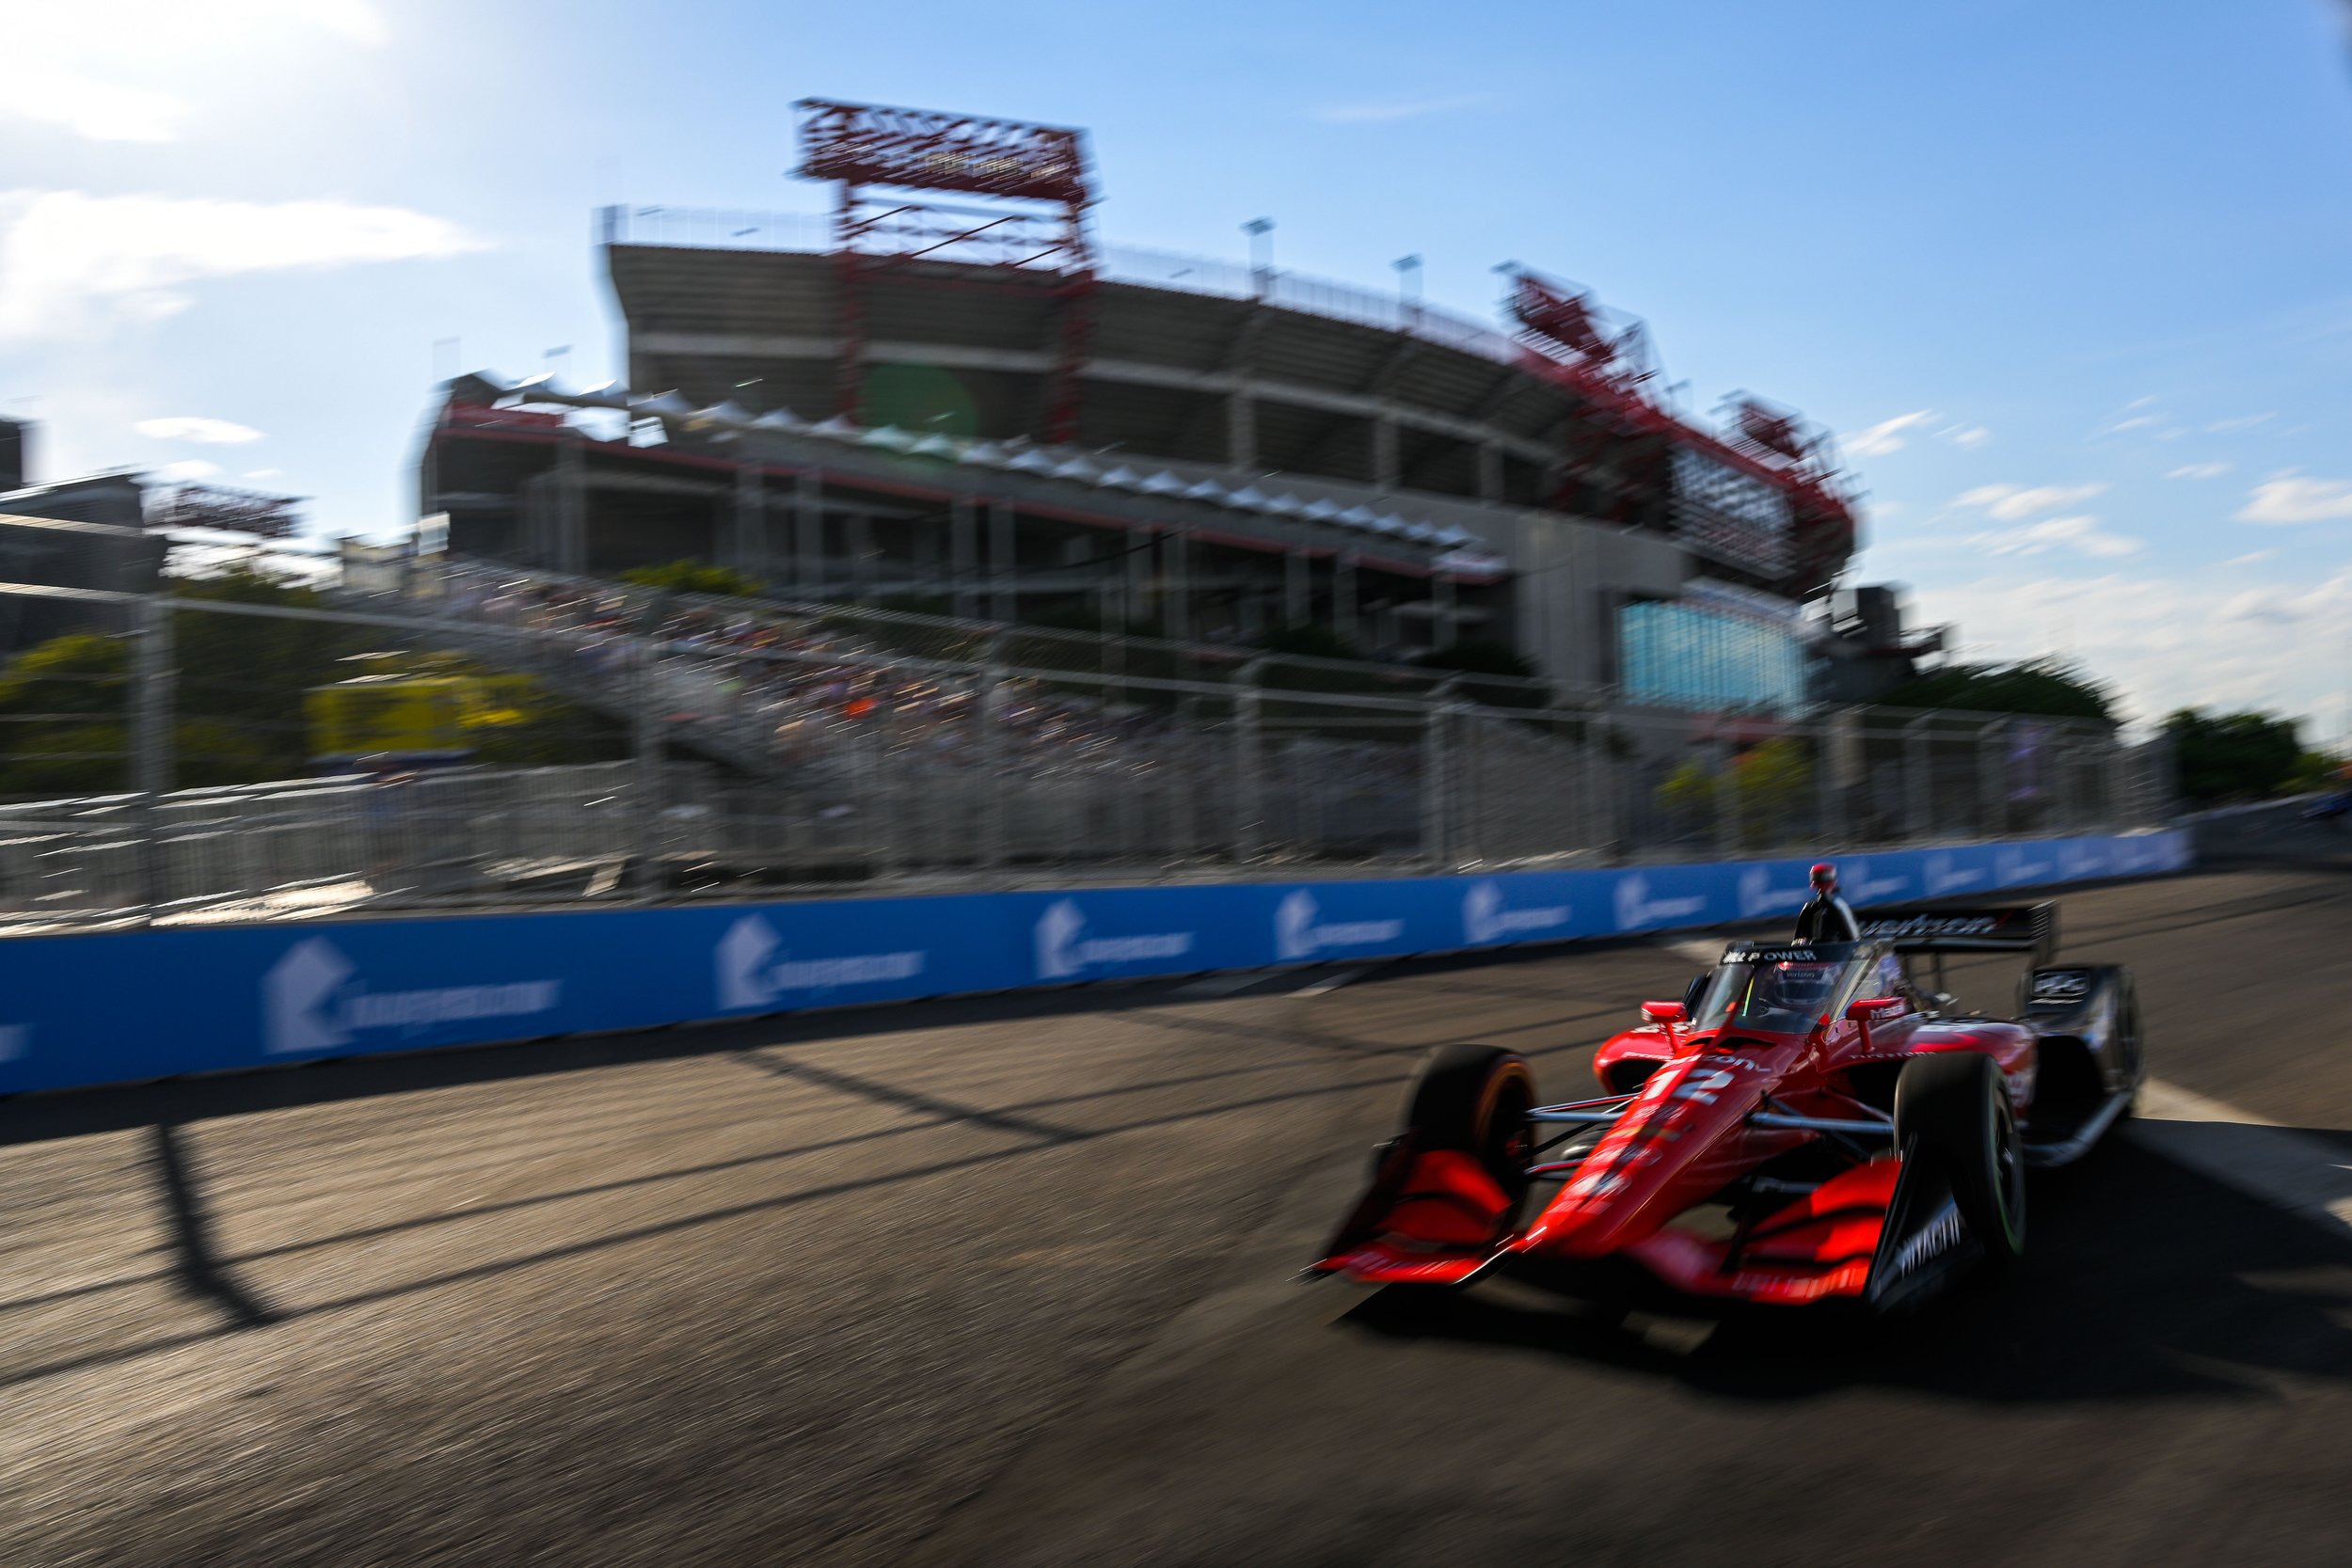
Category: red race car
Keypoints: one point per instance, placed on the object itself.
(1811, 1122)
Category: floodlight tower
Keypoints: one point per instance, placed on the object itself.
(1035, 181)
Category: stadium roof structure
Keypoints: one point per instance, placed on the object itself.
(1267, 376)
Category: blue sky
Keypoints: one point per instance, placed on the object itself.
(2071, 282)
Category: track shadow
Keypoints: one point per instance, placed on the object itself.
(2144, 1280)
(197, 1268)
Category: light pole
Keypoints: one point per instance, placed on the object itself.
(1260, 254)
(1408, 287)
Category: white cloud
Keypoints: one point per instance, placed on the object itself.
(1970, 437)
(2010, 503)
(2290, 500)
(2249, 558)
(2080, 533)
(2199, 470)
(92, 109)
(190, 467)
(1410, 108)
(2139, 402)
(196, 427)
(1885, 436)
(264, 473)
(2157, 638)
(2243, 421)
(69, 262)
(2137, 421)
(66, 62)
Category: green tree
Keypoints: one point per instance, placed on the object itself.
(2048, 687)
(238, 698)
(1769, 781)
(692, 576)
(241, 678)
(2315, 770)
(63, 717)
(2233, 756)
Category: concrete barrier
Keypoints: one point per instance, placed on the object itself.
(88, 1009)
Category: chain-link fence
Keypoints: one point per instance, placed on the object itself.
(492, 738)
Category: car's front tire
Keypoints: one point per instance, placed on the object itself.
(1475, 1099)
(1951, 1107)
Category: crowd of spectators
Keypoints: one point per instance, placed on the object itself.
(789, 689)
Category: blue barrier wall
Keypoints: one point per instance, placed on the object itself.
(108, 1008)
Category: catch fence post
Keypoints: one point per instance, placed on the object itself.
(990, 741)
(1919, 790)
(151, 742)
(1991, 790)
(645, 745)
(1436, 776)
(1726, 799)
(1250, 825)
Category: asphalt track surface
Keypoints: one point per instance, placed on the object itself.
(1010, 1282)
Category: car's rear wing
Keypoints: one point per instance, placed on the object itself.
(2028, 929)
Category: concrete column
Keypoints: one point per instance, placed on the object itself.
(747, 544)
(571, 506)
(1441, 626)
(1384, 461)
(808, 529)
(1176, 609)
(862, 556)
(1298, 589)
(1490, 472)
(1241, 429)
(963, 561)
(1002, 564)
(1343, 594)
(1139, 603)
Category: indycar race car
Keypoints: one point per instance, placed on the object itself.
(1811, 1122)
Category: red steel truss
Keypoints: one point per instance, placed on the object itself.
(1618, 450)
(1037, 179)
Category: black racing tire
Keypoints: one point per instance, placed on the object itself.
(2104, 999)
(2131, 1045)
(1475, 1099)
(1951, 1107)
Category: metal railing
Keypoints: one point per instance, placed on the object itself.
(705, 229)
(666, 747)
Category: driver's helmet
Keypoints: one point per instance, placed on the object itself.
(1794, 988)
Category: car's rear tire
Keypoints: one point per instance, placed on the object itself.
(1475, 1099)
(1951, 1107)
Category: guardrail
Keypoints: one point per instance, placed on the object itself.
(99, 1008)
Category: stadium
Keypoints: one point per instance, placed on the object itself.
(951, 397)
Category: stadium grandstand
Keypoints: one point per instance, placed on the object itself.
(949, 397)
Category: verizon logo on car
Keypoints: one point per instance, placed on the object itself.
(1935, 925)
(1064, 951)
(1298, 935)
(311, 1000)
(752, 972)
